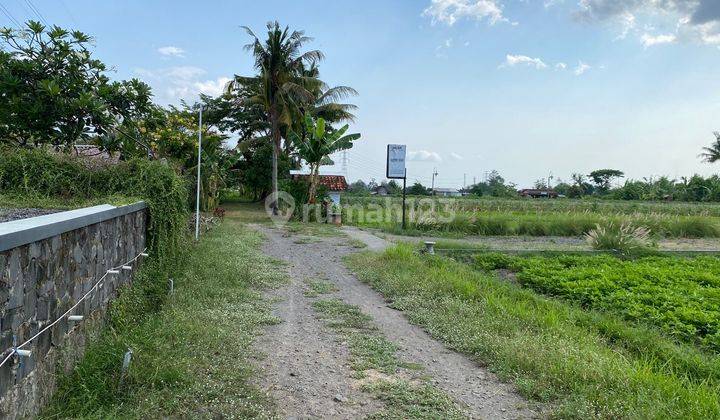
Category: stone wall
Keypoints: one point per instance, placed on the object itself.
(47, 264)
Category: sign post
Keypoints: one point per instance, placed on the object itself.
(396, 169)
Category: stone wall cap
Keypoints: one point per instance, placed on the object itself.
(24, 231)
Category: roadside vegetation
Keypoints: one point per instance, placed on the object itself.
(190, 356)
(584, 363)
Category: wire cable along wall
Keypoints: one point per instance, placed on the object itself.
(17, 349)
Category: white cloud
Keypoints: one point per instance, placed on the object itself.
(450, 11)
(650, 40)
(423, 156)
(212, 87)
(455, 156)
(513, 60)
(174, 84)
(171, 51)
(695, 21)
(560, 66)
(581, 68)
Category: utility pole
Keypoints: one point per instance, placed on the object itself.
(474, 180)
(432, 188)
(197, 194)
(549, 184)
(464, 179)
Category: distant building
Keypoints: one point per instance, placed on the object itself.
(335, 184)
(446, 192)
(380, 190)
(538, 193)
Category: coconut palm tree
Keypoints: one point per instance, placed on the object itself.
(712, 154)
(318, 144)
(280, 63)
(326, 103)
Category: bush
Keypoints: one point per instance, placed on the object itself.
(39, 173)
(623, 237)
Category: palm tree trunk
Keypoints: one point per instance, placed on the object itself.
(276, 151)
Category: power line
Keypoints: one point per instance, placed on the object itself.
(9, 15)
(36, 11)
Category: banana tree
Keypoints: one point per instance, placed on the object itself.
(315, 145)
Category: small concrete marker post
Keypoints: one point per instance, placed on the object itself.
(430, 247)
(171, 284)
(125, 365)
(75, 318)
(127, 267)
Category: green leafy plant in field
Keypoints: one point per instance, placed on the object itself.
(620, 238)
(583, 363)
(679, 296)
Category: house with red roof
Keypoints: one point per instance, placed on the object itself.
(335, 184)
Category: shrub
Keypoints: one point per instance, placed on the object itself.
(619, 237)
(39, 173)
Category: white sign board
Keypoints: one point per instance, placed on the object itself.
(396, 161)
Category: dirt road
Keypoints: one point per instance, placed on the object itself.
(307, 368)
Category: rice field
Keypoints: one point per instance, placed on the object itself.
(527, 217)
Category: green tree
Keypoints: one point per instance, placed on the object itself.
(394, 187)
(418, 189)
(53, 92)
(279, 87)
(358, 187)
(316, 147)
(602, 178)
(711, 154)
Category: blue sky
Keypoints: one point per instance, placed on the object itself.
(523, 87)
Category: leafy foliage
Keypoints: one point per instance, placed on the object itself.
(495, 186)
(36, 172)
(603, 177)
(580, 363)
(681, 296)
(53, 91)
(318, 143)
(711, 154)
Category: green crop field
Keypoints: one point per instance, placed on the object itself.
(679, 296)
(505, 217)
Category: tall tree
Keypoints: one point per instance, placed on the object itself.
(280, 63)
(711, 154)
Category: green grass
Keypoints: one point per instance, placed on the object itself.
(44, 202)
(317, 288)
(524, 205)
(510, 223)
(356, 243)
(405, 394)
(191, 356)
(314, 229)
(585, 364)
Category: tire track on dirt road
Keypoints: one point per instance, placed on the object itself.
(306, 368)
